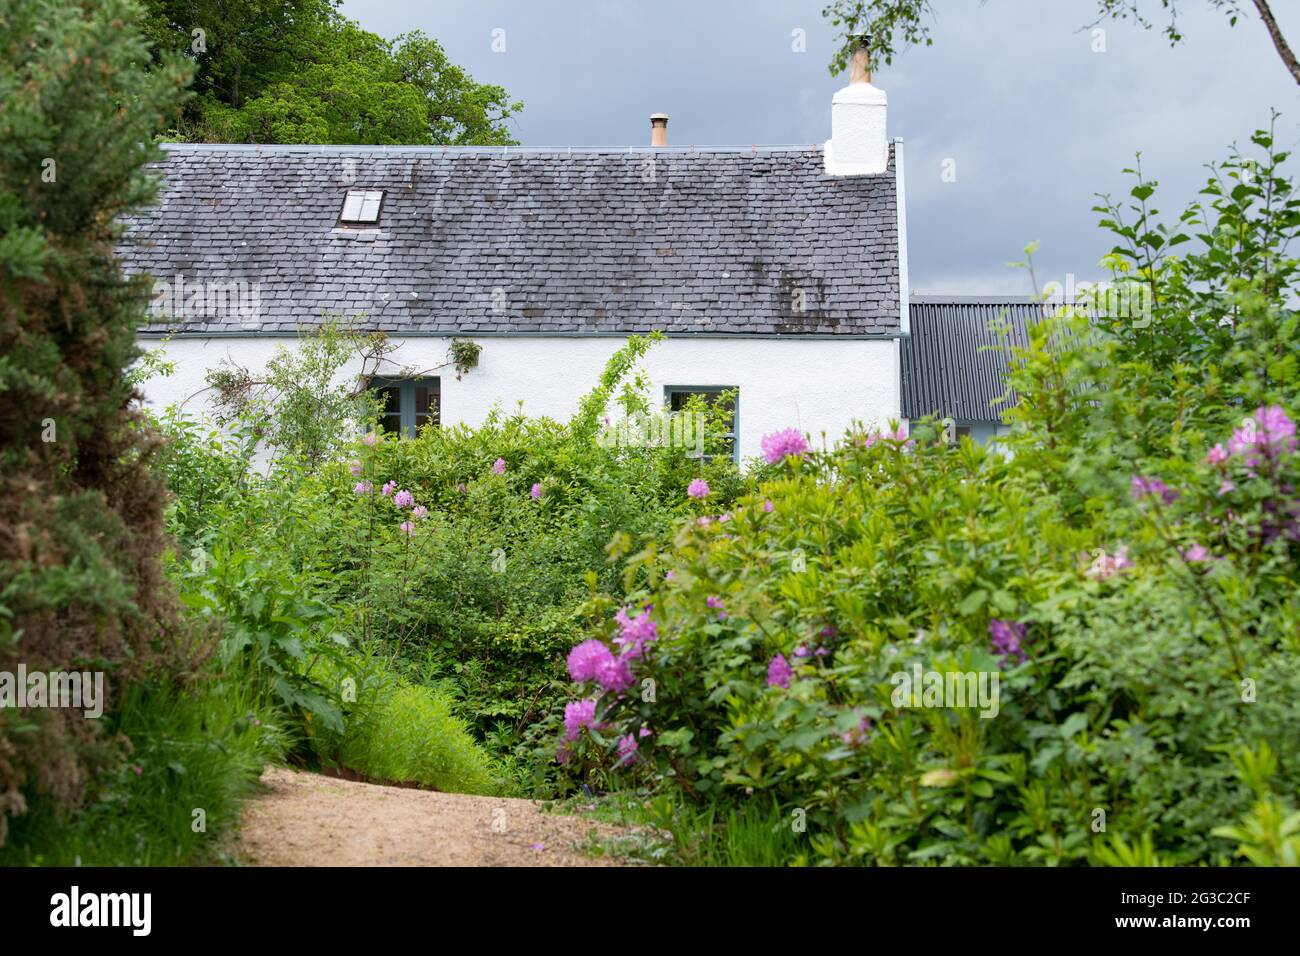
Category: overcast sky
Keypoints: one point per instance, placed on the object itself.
(1034, 121)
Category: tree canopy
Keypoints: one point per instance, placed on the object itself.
(298, 71)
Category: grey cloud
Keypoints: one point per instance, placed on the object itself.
(1011, 90)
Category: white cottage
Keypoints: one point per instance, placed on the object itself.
(780, 272)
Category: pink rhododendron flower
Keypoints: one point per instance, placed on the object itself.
(669, 574)
(627, 748)
(801, 651)
(858, 734)
(1104, 565)
(355, 467)
(408, 527)
(786, 443)
(403, 499)
(419, 511)
(635, 632)
(499, 466)
(1196, 554)
(704, 521)
(1226, 486)
(536, 491)
(699, 488)
(362, 488)
(613, 674)
(778, 672)
(898, 434)
(583, 660)
(577, 715)
(1267, 434)
(388, 488)
(369, 439)
(768, 506)
(1216, 455)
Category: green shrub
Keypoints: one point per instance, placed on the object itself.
(1125, 571)
(398, 732)
(199, 747)
(480, 600)
(81, 584)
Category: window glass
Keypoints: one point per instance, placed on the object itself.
(679, 396)
(407, 404)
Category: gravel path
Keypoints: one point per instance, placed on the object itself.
(306, 819)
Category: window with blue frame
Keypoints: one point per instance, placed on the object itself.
(676, 397)
(408, 404)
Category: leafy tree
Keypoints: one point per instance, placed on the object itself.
(297, 71)
(81, 515)
(894, 24)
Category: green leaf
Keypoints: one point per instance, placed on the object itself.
(973, 602)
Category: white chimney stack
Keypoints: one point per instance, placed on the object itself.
(858, 145)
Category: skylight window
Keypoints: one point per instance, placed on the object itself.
(362, 205)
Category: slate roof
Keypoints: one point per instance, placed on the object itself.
(946, 371)
(719, 241)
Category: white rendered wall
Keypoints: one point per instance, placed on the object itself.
(811, 384)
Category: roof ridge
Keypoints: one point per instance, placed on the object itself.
(485, 150)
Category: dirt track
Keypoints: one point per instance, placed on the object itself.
(305, 819)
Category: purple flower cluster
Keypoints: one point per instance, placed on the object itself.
(778, 672)
(699, 489)
(635, 633)
(577, 715)
(715, 602)
(1006, 637)
(593, 661)
(1141, 488)
(1266, 436)
(787, 443)
(857, 735)
(1105, 565)
(1260, 444)
(896, 435)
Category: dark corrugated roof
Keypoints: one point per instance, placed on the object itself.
(534, 241)
(947, 372)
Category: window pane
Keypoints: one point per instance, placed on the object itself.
(390, 400)
(679, 398)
